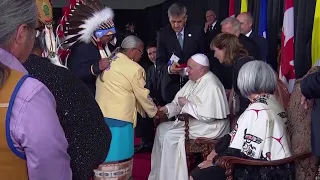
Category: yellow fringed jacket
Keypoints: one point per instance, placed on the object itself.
(121, 92)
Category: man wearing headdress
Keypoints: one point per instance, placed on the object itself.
(203, 98)
(89, 32)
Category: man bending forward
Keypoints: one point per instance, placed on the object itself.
(204, 98)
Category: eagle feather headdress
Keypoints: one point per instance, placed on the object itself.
(88, 20)
(45, 29)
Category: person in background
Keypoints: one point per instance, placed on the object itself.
(131, 29)
(121, 95)
(233, 26)
(246, 21)
(79, 114)
(211, 28)
(33, 145)
(177, 42)
(153, 76)
(145, 126)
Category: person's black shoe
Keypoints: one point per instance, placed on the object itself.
(144, 146)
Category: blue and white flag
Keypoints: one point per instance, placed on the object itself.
(263, 18)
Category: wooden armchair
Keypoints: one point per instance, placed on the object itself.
(200, 145)
(228, 162)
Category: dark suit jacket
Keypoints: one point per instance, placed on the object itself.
(210, 34)
(262, 43)
(153, 84)
(310, 88)
(81, 58)
(167, 45)
(251, 46)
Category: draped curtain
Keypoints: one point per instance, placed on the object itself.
(304, 14)
(150, 20)
(274, 19)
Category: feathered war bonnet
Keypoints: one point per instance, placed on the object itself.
(45, 31)
(88, 21)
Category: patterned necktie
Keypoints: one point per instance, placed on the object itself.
(180, 40)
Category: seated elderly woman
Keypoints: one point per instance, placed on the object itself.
(260, 132)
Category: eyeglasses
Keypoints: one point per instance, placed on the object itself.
(141, 52)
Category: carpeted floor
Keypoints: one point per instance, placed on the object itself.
(141, 164)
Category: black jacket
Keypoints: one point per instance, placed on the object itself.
(81, 58)
(250, 45)
(80, 116)
(263, 45)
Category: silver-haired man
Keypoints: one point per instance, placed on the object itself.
(233, 26)
(203, 97)
(32, 144)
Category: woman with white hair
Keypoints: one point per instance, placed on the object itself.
(32, 143)
(121, 93)
(260, 132)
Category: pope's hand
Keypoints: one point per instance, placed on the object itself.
(182, 101)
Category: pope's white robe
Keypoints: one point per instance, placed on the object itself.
(209, 108)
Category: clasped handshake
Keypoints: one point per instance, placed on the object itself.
(163, 111)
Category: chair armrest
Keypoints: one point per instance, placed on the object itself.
(224, 160)
(201, 140)
(227, 162)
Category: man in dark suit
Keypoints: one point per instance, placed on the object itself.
(177, 42)
(153, 76)
(233, 26)
(211, 28)
(86, 63)
(145, 126)
(246, 21)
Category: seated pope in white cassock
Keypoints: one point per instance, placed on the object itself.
(203, 97)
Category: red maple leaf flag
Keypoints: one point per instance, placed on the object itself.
(287, 73)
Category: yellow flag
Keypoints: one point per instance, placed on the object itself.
(316, 35)
(244, 6)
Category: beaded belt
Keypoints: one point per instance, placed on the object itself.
(114, 171)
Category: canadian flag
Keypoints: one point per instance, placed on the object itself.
(287, 73)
